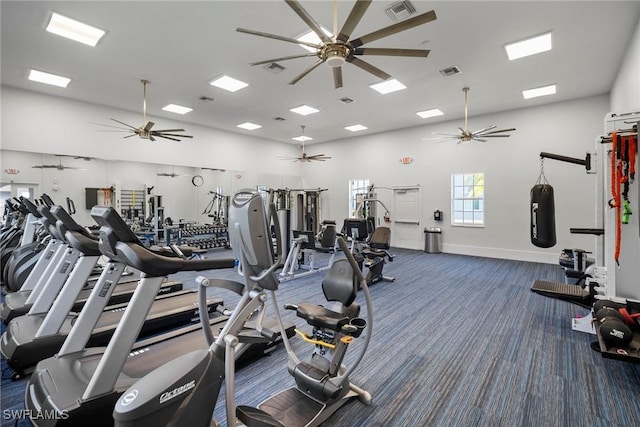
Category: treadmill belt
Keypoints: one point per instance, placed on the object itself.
(565, 291)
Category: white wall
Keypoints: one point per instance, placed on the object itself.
(511, 167)
(625, 97)
(47, 124)
(33, 124)
(625, 93)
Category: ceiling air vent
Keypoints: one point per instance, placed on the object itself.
(450, 71)
(400, 10)
(274, 67)
(346, 100)
(279, 119)
(205, 99)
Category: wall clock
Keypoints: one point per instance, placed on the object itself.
(197, 180)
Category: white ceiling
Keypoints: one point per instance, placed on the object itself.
(180, 46)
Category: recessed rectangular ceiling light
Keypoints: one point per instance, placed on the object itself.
(430, 113)
(388, 86)
(312, 37)
(531, 46)
(74, 30)
(50, 79)
(304, 110)
(249, 126)
(179, 109)
(302, 138)
(228, 83)
(539, 91)
(356, 128)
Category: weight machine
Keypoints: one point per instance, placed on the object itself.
(306, 243)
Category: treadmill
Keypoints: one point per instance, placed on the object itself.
(44, 275)
(81, 385)
(41, 333)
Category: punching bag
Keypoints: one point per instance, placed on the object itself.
(543, 220)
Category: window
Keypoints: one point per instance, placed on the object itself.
(467, 198)
(357, 189)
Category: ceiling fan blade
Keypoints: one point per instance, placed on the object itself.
(106, 125)
(167, 130)
(309, 69)
(395, 28)
(493, 136)
(178, 135)
(448, 135)
(277, 37)
(417, 53)
(165, 137)
(283, 58)
(129, 136)
(353, 19)
(337, 77)
(483, 130)
(368, 67)
(123, 123)
(148, 126)
(151, 138)
(498, 131)
(304, 15)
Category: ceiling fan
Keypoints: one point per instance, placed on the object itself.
(336, 49)
(86, 159)
(59, 167)
(304, 157)
(145, 131)
(466, 135)
(173, 174)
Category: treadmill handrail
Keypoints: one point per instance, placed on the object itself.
(153, 264)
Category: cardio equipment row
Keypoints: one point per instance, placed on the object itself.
(174, 378)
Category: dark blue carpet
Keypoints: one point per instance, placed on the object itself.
(457, 341)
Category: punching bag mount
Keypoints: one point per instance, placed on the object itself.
(586, 162)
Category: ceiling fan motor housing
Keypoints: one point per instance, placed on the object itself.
(334, 54)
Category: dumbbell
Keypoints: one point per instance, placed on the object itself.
(626, 317)
(613, 330)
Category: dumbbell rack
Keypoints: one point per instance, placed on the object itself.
(204, 236)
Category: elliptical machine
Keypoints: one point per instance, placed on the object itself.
(188, 396)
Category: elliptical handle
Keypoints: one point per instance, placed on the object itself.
(203, 284)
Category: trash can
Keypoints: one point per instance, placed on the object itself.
(433, 240)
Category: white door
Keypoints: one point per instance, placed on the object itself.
(406, 231)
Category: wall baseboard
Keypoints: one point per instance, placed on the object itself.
(512, 254)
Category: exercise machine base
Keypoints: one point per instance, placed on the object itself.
(564, 291)
(293, 408)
